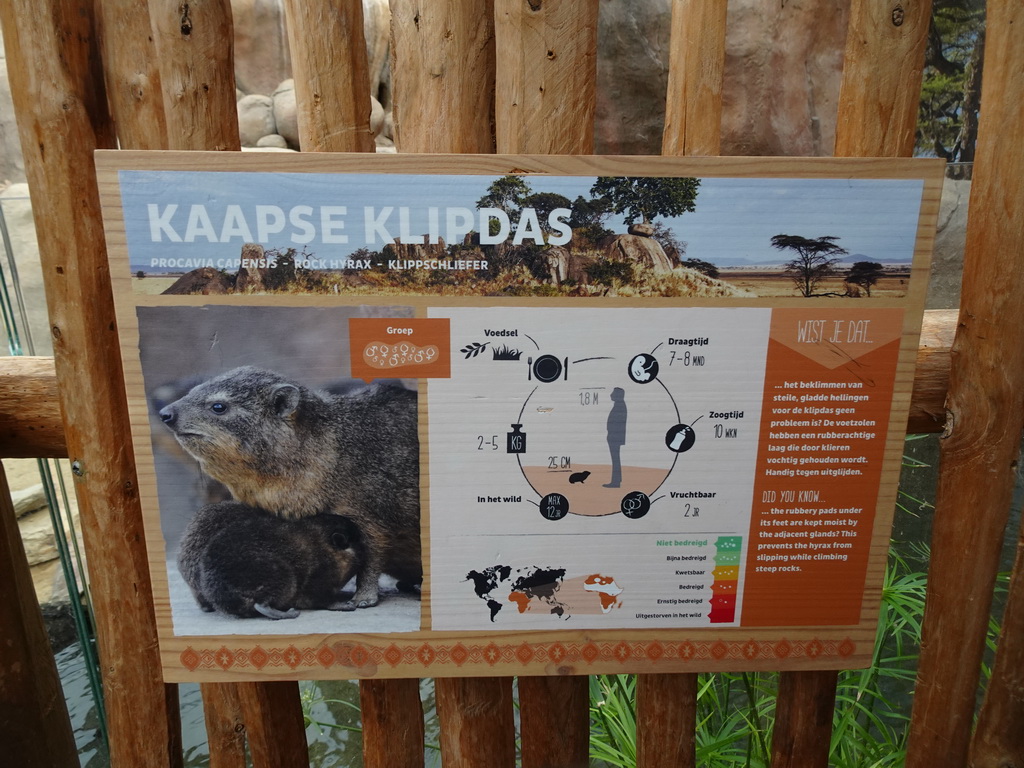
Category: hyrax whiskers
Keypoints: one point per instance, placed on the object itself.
(281, 447)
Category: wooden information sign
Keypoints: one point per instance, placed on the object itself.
(411, 416)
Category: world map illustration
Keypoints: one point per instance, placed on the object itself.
(546, 589)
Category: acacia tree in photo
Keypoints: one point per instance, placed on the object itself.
(865, 274)
(814, 261)
(643, 197)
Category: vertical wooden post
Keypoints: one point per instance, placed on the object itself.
(332, 95)
(61, 110)
(274, 726)
(666, 705)
(545, 96)
(442, 55)
(554, 721)
(33, 716)
(882, 78)
(980, 452)
(693, 107)
(999, 738)
(442, 60)
(392, 717)
(666, 721)
(332, 87)
(225, 725)
(477, 727)
(877, 117)
(803, 719)
(200, 99)
(194, 45)
(132, 74)
(546, 75)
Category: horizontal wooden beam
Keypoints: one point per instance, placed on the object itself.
(931, 377)
(30, 421)
(30, 424)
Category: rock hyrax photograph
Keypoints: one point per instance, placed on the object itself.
(259, 435)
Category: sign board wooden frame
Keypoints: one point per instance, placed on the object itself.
(607, 451)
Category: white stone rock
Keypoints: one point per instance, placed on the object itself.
(267, 149)
(48, 580)
(376, 117)
(285, 113)
(28, 499)
(272, 141)
(255, 119)
(37, 536)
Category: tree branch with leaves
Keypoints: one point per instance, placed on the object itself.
(644, 197)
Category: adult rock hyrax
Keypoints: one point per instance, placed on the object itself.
(281, 447)
(246, 562)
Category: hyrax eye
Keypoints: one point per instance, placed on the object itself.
(218, 407)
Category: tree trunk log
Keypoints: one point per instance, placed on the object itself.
(693, 108)
(878, 101)
(444, 97)
(194, 45)
(980, 454)
(132, 74)
(546, 75)
(477, 727)
(33, 716)
(666, 718)
(56, 84)
(332, 88)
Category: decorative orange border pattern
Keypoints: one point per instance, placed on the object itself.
(425, 655)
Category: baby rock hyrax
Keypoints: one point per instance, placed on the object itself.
(246, 562)
(281, 447)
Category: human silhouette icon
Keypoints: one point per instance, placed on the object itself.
(616, 434)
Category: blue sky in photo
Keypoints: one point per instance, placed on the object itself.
(733, 223)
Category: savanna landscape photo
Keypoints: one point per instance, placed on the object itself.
(548, 237)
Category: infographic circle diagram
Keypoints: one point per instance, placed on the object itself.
(591, 437)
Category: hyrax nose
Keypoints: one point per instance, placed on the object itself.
(168, 415)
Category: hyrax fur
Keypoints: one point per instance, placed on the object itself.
(246, 562)
(295, 452)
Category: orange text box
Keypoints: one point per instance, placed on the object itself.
(399, 347)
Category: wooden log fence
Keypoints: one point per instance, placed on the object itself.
(516, 76)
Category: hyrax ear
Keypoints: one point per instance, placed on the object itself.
(286, 399)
